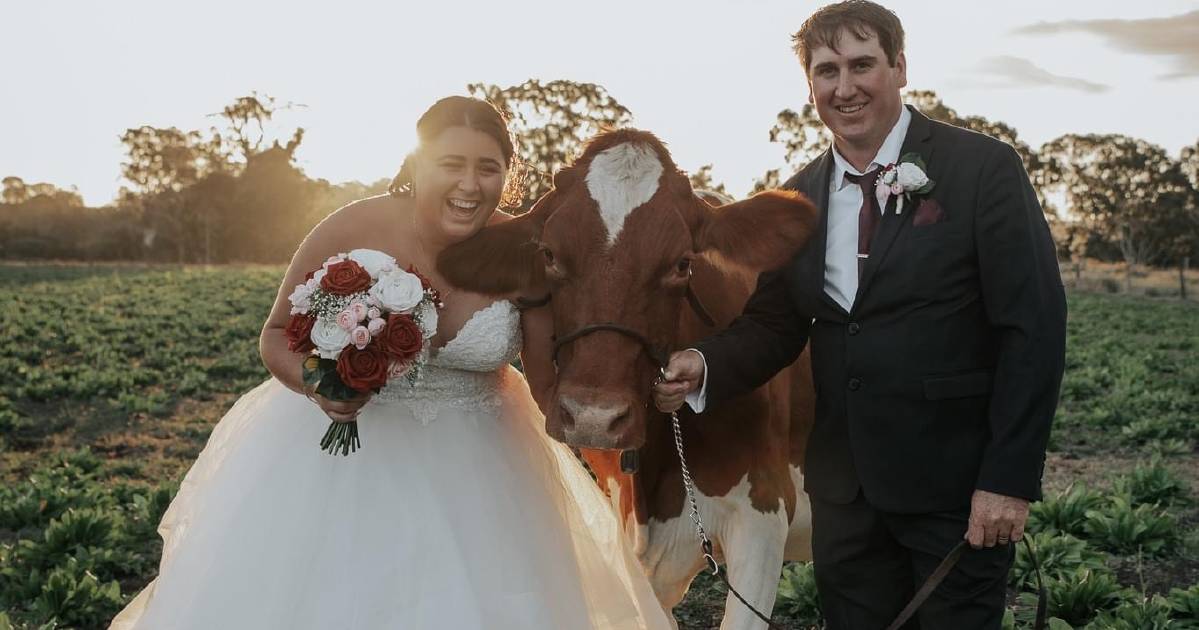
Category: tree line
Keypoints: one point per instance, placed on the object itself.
(228, 194)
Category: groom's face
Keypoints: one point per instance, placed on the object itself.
(856, 91)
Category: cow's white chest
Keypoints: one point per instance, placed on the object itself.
(620, 179)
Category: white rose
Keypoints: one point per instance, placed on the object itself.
(329, 338)
(299, 298)
(426, 316)
(398, 291)
(374, 261)
(911, 177)
(315, 281)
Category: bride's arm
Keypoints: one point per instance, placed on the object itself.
(537, 328)
(326, 239)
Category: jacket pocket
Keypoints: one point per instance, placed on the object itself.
(959, 385)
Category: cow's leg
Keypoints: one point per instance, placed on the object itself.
(753, 552)
(671, 561)
(799, 538)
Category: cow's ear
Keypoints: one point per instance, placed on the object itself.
(501, 259)
(760, 233)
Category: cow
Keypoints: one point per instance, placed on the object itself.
(622, 240)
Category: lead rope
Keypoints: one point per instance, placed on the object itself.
(704, 542)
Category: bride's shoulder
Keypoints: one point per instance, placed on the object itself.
(368, 211)
(371, 215)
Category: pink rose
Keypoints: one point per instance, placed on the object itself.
(346, 319)
(374, 313)
(360, 336)
(359, 310)
(896, 189)
(376, 324)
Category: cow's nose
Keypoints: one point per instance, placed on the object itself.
(594, 416)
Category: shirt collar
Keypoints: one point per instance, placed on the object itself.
(888, 153)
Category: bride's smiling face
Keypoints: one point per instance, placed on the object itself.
(458, 181)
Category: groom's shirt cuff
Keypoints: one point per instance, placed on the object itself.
(697, 400)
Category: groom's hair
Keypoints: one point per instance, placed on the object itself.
(862, 18)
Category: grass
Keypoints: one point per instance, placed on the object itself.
(118, 373)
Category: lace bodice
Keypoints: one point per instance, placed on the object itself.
(466, 372)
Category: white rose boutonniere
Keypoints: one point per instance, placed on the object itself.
(904, 179)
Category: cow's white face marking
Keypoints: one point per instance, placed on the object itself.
(620, 179)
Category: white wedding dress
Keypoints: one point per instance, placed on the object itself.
(456, 513)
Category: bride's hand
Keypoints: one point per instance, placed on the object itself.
(339, 410)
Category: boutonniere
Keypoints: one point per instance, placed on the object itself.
(905, 178)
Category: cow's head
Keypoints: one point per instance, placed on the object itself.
(615, 242)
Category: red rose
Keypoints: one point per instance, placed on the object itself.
(363, 370)
(298, 332)
(401, 338)
(345, 278)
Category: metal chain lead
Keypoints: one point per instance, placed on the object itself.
(705, 544)
(689, 486)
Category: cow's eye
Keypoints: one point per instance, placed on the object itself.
(553, 270)
(679, 274)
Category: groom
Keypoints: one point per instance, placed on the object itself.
(936, 317)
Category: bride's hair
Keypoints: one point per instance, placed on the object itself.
(472, 113)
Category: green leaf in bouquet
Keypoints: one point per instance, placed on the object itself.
(323, 374)
(312, 373)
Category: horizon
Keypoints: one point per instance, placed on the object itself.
(1045, 69)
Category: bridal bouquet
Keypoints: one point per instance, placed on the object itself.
(364, 322)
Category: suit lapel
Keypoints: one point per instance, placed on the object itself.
(918, 140)
(812, 263)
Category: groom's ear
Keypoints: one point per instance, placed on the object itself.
(760, 233)
(502, 258)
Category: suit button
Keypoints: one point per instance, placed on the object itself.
(854, 328)
(855, 384)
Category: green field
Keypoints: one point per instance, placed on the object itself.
(115, 375)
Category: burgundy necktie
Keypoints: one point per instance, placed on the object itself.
(868, 214)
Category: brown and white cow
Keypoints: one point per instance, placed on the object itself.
(617, 241)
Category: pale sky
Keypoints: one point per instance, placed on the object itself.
(707, 76)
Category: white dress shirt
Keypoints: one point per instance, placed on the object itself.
(844, 203)
(841, 248)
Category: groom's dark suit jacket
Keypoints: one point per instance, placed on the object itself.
(944, 376)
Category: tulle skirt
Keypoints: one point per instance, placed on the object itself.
(474, 520)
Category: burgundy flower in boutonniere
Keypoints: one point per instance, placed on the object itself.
(905, 178)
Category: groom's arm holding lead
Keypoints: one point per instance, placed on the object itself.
(768, 336)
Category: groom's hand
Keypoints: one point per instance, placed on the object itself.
(995, 519)
(684, 373)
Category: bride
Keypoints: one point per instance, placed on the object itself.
(456, 512)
